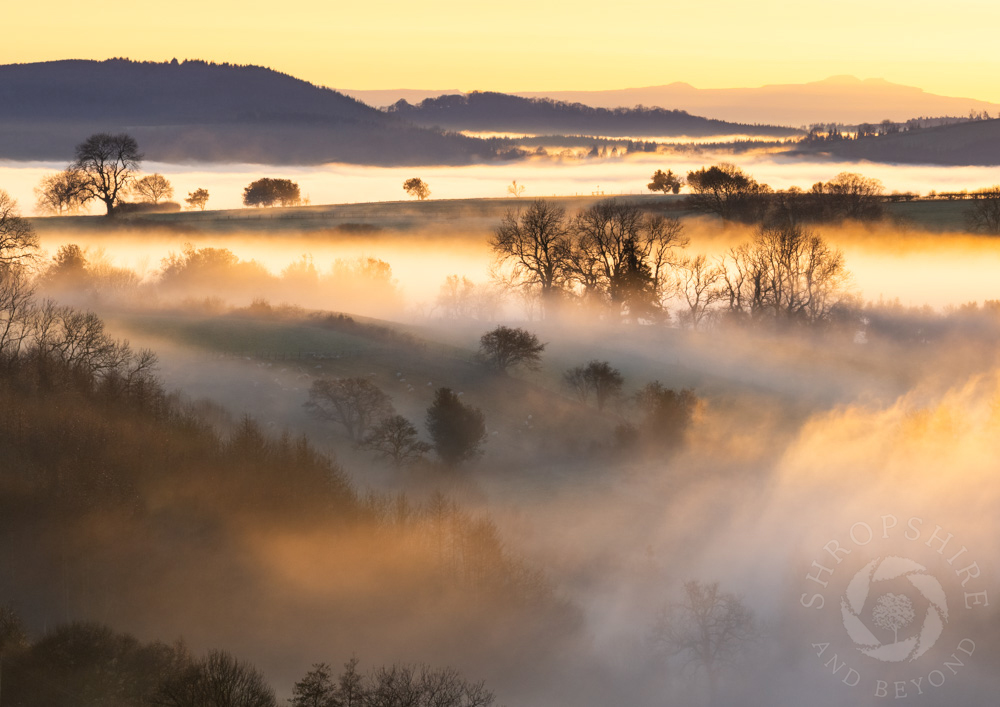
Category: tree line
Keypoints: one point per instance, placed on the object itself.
(629, 265)
(87, 664)
(458, 431)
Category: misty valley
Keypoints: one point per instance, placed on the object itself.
(563, 451)
(492, 399)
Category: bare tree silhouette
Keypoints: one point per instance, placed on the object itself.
(706, 631)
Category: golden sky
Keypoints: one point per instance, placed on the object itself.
(520, 45)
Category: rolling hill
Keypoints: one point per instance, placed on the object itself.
(195, 111)
(498, 112)
(973, 143)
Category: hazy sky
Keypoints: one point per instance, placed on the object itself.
(943, 47)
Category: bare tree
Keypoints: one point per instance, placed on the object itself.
(515, 189)
(698, 282)
(61, 193)
(352, 690)
(108, 164)
(984, 215)
(219, 680)
(461, 298)
(415, 186)
(854, 196)
(405, 685)
(536, 243)
(18, 252)
(355, 403)
(152, 188)
(17, 311)
(705, 632)
(786, 273)
(506, 347)
(316, 689)
(395, 438)
(18, 240)
(626, 255)
(597, 377)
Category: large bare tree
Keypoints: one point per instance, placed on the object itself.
(536, 243)
(786, 273)
(985, 212)
(355, 403)
(705, 631)
(108, 164)
(625, 255)
(698, 284)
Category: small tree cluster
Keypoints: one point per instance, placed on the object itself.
(666, 182)
(785, 274)
(367, 415)
(388, 686)
(356, 404)
(268, 192)
(612, 254)
(218, 680)
(666, 414)
(61, 194)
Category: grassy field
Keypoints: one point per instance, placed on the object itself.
(445, 215)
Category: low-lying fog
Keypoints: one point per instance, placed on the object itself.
(886, 262)
(341, 183)
(828, 455)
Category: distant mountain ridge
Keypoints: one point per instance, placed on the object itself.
(842, 99)
(204, 112)
(499, 112)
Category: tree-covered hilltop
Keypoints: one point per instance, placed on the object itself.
(499, 112)
(205, 112)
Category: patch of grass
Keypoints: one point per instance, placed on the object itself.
(246, 335)
(932, 215)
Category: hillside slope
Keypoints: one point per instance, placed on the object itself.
(499, 112)
(972, 143)
(195, 111)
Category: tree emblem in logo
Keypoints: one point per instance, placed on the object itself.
(894, 612)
